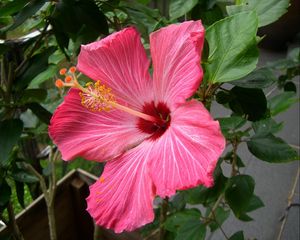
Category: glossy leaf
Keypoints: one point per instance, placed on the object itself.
(282, 102)
(12, 7)
(267, 11)
(5, 193)
(44, 76)
(271, 149)
(250, 103)
(27, 11)
(266, 126)
(255, 203)
(33, 95)
(20, 192)
(178, 219)
(178, 8)
(260, 78)
(10, 133)
(37, 64)
(231, 123)
(232, 48)
(237, 236)
(238, 193)
(24, 177)
(192, 230)
(220, 216)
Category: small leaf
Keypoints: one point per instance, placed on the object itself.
(282, 102)
(24, 177)
(255, 203)
(44, 76)
(5, 193)
(266, 126)
(220, 216)
(260, 78)
(20, 192)
(250, 102)
(27, 11)
(178, 202)
(33, 95)
(237, 236)
(271, 149)
(178, 219)
(267, 11)
(37, 64)
(43, 114)
(232, 48)
(192, 230)
(231, 123)
(180, 7)
(12, 7)
(10, 133)
(238, 193)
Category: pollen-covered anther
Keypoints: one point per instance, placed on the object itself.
(63, 71)
(68, 79)
(97, 97)
(59, 83)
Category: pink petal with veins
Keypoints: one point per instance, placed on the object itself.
(120, 62)
(122, 198)
(176, 55)
(186, 155)
(97, 136)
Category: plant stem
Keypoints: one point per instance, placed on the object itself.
(12, 222)
(163, 216)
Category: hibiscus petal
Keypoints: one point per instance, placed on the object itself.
(186, 155)
(97, 136)
(120, 62)
(122, 198)
(176, 55)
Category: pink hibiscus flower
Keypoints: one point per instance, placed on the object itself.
(154, 140)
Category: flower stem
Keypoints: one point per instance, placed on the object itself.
(13, 223)
(163, 217)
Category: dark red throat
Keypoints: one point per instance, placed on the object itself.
(162, 113)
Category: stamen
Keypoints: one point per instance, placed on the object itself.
(96, 96)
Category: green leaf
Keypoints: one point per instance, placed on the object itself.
(207, 15)
(255, 203)
(192, 230)
(12, 7)
(145, 18)
(24, 177)
(260, 78)
(267, 11)
(290, 87)
(239, 162)
(37, 64)
(250, 102)
(20, 193)
(232, 47)
(43, 114)
(5, 193)
(177, 219)
(33, 95)
(231, 123)
(220, 216)
(271, 149)
(178, 202)
(180, 7)
(282, 102)
(266, 126)
(10, 133)
(44, 76)
(223, 97)
(28, 11)
(238, 193)
(237, 236)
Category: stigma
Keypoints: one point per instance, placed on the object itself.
(95, 96)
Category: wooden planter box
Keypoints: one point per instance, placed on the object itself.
(72, 220)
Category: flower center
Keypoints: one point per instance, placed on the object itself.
(162, 113)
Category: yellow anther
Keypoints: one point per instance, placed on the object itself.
(97, 97)
(101, 179)
(63, 71)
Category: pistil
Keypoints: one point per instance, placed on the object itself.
(96, 96)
